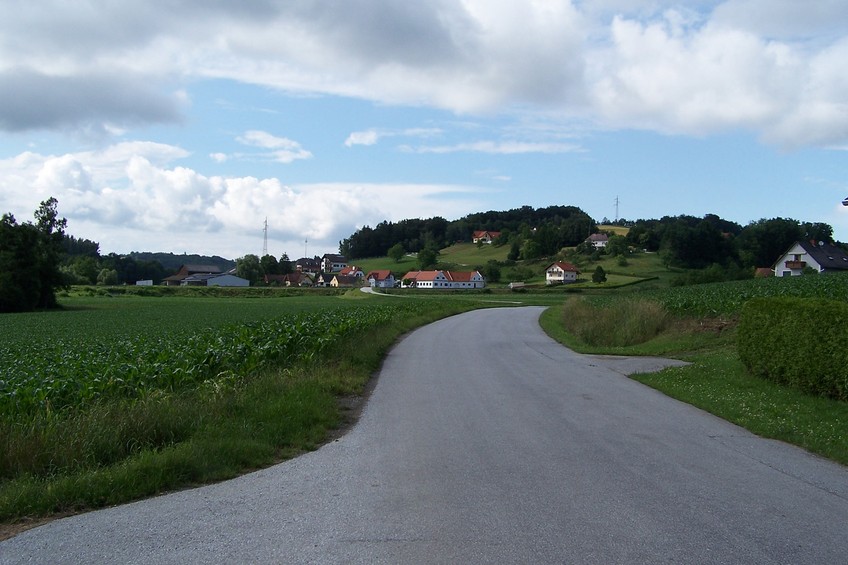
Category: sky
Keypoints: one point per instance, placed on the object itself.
(185, 126)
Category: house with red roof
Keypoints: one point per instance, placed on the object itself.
(561, 272)
(483, 236)
(380, 279)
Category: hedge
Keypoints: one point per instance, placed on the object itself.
(797, 342)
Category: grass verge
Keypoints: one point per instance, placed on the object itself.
(718, 383)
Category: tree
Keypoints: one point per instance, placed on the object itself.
(427, 258)
(248, 267)
(599, 276)
(107, 277)
(492, 271)
(617, 245)
(285, 266)
(48, 252)
(396, 252)
(269, 265)
(30, 260)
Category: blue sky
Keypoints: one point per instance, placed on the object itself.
(180, 128)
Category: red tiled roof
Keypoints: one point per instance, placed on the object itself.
(565, 266)
(379, 275)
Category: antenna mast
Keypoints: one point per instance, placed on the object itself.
(616, 208)
(265, 238)
(305, 244)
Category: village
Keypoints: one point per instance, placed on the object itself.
(334, 270)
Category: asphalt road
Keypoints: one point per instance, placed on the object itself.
(486, 442)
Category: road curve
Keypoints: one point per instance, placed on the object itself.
(484, 441)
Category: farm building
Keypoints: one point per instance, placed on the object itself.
(443, 279)
(220, 279)
(190, 270)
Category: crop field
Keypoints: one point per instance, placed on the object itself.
(722, 299)
(727, 298)
(131, 347)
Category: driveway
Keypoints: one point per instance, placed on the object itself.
(484, 441)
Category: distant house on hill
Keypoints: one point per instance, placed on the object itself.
(598, 240)
(483, 236)
(190, 270)
(819, 256)
(561, 272)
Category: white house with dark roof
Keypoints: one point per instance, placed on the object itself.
(820, 256)
(598, 240)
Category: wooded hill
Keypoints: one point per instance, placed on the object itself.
(682, 241)
(546, 230)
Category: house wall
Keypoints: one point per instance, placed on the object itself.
(796, 253)
(385, 283)
(557, 275)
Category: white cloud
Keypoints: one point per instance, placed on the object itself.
(369, 137)
(283, 150)
(500, 148)
(372, 136)
(138, 200)
(768, 66)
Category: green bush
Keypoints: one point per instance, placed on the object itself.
(797, 342)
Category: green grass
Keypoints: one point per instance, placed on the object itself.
(469, 255)
(717, 382)
(407, 263)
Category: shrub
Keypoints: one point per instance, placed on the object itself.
(797, 342)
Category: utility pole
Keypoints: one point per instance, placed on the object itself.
(265, 238)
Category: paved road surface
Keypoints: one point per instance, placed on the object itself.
(486, 442)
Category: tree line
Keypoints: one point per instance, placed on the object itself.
(696, 243)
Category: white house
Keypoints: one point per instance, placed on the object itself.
(598, 240)
(483, 236)
(443, 280)
(819, 256)
(333, 263)
(561, 272)
(380, 279)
